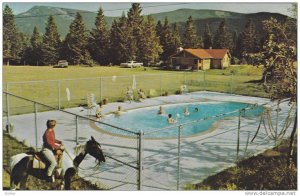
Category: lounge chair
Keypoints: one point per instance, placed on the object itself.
(91, 104)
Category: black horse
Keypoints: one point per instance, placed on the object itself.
(22, 165)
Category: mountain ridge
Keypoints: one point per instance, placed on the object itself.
(38, 16)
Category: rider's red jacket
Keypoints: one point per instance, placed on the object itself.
(50, 141)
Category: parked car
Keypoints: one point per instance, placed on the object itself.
(156, 64)
(61, 64)
(131, 64)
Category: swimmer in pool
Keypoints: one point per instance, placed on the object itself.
(186, 111)
(160, 111)
(170, 119)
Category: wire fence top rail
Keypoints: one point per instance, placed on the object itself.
(90, 78)
(64, 111)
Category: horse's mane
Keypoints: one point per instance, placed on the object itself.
(80, 148)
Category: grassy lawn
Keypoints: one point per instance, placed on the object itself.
(50, 84)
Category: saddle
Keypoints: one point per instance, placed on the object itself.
(40, 162)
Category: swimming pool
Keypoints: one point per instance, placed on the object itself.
(147, 119)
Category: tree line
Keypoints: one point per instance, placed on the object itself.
(131, 37)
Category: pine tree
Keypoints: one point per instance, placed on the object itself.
(159, 29)
(76, 42)
(32, 55)
(99, 40)
(120, 45)
(248, 41)
(190, 37)
(23, 43)
(51, 43)
(11, 37)
(135, 25)
(207, 38)
(235, 38)
(222, 38)
(176, 40)
(166, 41)
(149, 43)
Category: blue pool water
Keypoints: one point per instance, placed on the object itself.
(147, 119)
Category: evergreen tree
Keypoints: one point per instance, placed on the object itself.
(99, 40)
(248, 40)
(149, 43)
(235, 38)
(23, 42)
(176, 40)
(120, 45)
(135, 25)
(11, 38)
(166, 41)
(190, 37)
(51, 43)
(222, 37)
(76, 42)
(32, 55)
(159, 29)
(207, 38)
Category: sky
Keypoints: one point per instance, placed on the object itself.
(116, 8)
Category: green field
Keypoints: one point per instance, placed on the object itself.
(48, 85)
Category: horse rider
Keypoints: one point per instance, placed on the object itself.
(50, 145)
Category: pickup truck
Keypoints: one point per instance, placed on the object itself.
(131, 64)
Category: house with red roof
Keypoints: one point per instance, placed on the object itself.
(201, 59)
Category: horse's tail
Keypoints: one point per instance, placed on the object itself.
(18, 168)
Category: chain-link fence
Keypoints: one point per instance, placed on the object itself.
(173, 164)
(70, 93)
(140, 161)
(144, 161)
(122, 154)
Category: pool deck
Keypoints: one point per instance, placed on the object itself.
(201, 156)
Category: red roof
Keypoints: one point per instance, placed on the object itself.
(208, 53)
(217, 53)
(201, 53)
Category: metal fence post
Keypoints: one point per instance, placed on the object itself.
(178, 157)
(7, 109)
(76, 119)
(58, 89)
(140, 160)
(231, 83)
(35, 125)
(100, 89)
(160, 85)
(276, 129)
(238, 137)
(204, 79)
